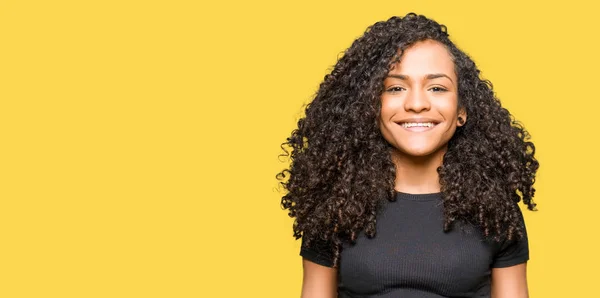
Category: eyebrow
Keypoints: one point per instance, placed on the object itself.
(429, 76)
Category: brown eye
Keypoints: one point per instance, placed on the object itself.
(395, 89)
(438, 89)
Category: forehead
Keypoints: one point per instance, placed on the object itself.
(424, 57)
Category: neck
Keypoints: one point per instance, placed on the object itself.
(417, 174)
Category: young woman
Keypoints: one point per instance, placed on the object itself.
(406, 173)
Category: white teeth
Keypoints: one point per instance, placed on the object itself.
(426, 124)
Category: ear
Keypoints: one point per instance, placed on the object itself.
(462, 114)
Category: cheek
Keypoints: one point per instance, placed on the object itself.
(388, 107)
(449, 108)
(386, 113)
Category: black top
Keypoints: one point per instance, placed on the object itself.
(411, 256)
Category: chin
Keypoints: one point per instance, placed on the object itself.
(418, 151)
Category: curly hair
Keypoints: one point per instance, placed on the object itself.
(341, 171)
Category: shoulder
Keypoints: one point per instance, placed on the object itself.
(515, 250)
(317, 251)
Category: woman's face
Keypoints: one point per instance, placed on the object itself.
(419, 104)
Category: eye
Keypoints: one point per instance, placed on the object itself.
(395, 89)
(438, 89)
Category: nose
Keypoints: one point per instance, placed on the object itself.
(416, 101)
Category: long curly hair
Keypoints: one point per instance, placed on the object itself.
(341, 170)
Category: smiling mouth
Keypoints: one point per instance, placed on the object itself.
(418, 126)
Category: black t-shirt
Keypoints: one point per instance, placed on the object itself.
(411, 255)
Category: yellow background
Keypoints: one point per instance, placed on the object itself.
(139, 139)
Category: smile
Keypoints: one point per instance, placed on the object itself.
(418, 126)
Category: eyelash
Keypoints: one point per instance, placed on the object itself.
(394, 89)
(439, 89)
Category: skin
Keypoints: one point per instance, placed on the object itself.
(422, 84)
(510, 282)
(318, 281)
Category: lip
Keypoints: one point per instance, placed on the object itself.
(418, 120)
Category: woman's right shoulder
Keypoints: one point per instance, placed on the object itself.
(317, 251)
